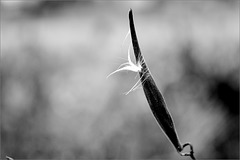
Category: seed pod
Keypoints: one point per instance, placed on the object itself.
(154, 96)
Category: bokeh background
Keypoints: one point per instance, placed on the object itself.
(56, 102)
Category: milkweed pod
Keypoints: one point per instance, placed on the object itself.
(154, 97)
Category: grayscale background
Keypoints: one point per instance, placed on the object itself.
(56, 102)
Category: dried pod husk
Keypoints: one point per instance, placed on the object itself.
(154, 97)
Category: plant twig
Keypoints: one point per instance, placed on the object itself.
(9, 158)
(191, 153)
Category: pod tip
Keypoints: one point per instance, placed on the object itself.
(130, 12)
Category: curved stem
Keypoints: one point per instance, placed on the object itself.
(191, 153)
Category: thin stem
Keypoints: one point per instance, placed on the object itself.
(191, 153)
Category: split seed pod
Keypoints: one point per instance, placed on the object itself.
(154, 97)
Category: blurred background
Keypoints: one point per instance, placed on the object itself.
(56, 102)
